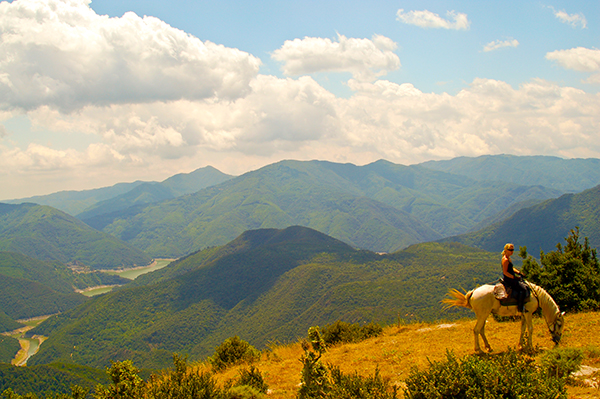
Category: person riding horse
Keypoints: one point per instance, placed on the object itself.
(513, 277)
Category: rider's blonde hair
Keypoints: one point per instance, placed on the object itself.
(506, 248)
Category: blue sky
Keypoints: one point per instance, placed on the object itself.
(92, 94)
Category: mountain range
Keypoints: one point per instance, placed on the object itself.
(93, 202)
(265, 285)
(381, 207)
(45, 233)
(378, 242)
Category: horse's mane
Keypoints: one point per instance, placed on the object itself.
(549, 307)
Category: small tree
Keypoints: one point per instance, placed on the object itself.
(127, 384)
(570, 274)
(315, 380)
(231, 352)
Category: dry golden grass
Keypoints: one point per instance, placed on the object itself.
(401, 347)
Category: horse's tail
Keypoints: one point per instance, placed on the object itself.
(457, 299)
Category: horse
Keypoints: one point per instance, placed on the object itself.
(482, 301)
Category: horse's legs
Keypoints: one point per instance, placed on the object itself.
(522, 337)
(485, 341)
(479, 329)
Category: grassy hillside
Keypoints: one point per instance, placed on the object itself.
(404, 346)
(266, 285)
(43, 232)
(393, 354)
(567, 175)
(541, 226)
(380, 207)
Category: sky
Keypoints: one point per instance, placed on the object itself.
(101, 92)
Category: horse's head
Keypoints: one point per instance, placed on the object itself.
(556, 329)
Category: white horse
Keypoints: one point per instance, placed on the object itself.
(482, 301)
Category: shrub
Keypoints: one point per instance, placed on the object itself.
(231, 352)
(253, 377)
(341, 332)
(562, 362)
(244, 392)
(184, 382)
(508, 375)
(354, 386)
(127, 384)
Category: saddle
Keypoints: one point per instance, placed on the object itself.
(504, 294)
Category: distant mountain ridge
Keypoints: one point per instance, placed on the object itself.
(122, 195)
(542, 226)
(380, 207)
(265, 285)
(45, 233)
(566, 175)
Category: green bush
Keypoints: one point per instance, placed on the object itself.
(354, 386)
(562, 362)
(184, 382)
(342, 332)
(253, 377)
(244, 392)
(508, 375)
(231, 352)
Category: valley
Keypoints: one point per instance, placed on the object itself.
(130, 274)
(268, 254)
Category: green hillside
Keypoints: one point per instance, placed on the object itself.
(56, 378)
(540, 227)
(8, 347)
(22, 299)
(266, 285)
(146, 193)
(53, 274)
(381, 207)
(7, 323)
(567, 175)
(43, 232)
(74, 202)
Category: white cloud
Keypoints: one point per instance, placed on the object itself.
(579, 59)
(428, 19)
(574, 20)
(62, 54)
(497, 44)
(365, 59)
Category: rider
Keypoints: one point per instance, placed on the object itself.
(512, 277)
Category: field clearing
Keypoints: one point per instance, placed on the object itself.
(130, 274)
(402, 347)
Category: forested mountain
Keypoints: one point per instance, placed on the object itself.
(74, 202)
(23, 299)
(266, 285)
(380, 207)
(146, 193)
(542, 226)
(43, 232)
(53, 274)
(7, 323)
(122, 195)
(567, 175)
